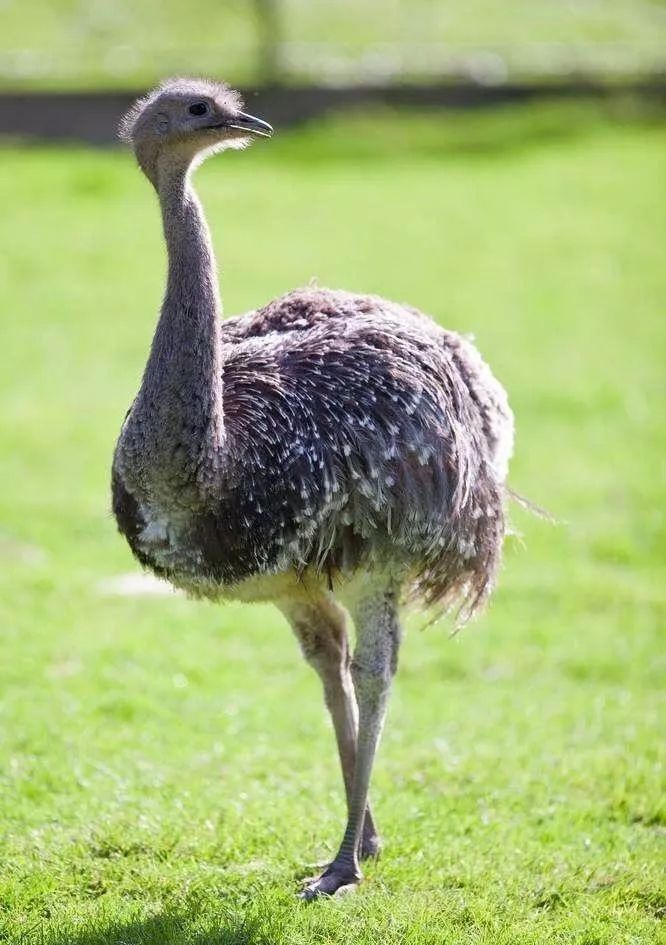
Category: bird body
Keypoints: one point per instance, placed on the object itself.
(357, 434)
(333, 453)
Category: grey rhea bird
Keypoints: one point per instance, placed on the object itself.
(336, 454)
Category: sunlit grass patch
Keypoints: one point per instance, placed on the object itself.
(166, 770)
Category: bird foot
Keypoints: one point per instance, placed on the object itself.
(336, 880)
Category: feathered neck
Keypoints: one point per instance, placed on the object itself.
(180, 400)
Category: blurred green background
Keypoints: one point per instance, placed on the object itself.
(167, 772)
(127, 43)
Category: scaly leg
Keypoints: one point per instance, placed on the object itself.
(373, 666)
(319, 624)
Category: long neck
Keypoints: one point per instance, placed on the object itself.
(181, 393)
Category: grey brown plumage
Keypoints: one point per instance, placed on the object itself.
(357, 434)
(331, 452)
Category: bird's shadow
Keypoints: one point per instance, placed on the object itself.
(171, 928)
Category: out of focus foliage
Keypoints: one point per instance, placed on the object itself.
(95, 43)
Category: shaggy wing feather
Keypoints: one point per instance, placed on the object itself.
(359, 432)
(356, 433)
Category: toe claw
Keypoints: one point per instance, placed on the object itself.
(307, 894)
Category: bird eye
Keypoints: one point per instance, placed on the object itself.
(199, 108)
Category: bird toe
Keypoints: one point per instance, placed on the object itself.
(334, 881)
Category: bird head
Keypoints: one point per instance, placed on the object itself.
(183, 121)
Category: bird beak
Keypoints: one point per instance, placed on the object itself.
(255, 126)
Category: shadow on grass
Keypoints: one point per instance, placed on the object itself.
(170, 928)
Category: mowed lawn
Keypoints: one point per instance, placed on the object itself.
(167, 772)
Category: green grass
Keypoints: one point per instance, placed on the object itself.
(63, 43)
(166, 769)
